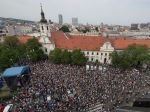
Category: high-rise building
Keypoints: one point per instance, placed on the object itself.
(134, 26)
(75, 21)
(60, 17)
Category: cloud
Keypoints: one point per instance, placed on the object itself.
(91, 11)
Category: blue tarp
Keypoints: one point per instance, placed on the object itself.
(15, 71)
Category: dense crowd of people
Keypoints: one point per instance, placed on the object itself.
(69, 88)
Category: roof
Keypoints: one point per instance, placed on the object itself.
(24, 39)
(93, 43)
(89, 43)
(122, 43)
(15, 71)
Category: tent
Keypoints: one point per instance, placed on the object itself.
(16, 76)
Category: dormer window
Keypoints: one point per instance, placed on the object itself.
(107, 44)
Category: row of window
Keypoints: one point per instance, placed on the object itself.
(43, 28)
(101, 54)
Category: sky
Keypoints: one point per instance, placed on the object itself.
(123, 12)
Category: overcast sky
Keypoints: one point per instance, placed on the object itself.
(121, 12)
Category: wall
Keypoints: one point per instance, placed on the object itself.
(102, 56)
(45, 29)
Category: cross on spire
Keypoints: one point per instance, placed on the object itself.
(43, 20)
(41, 7)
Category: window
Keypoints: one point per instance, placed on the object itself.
(45, 49)
(105, 54)
(101, 53)
(47, 27)
(97, 53)
(107, 46)
(42, 28)
(96, 60)
(92, 53)
(91, 59)
(88, 53)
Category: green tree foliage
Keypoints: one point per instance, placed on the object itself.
(64, 28)
(115, 58)
(66, 57)
(86, 30)
(33, 49)
(96, 28)
(133, 56)
(11, 52)
(56, 56)
(11, 41)
(76, 57)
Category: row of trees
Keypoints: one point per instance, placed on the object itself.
(133, 56)
(76, 57)
(12, 52)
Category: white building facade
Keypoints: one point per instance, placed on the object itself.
(102, 56)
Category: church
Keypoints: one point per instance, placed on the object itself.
(95, 48)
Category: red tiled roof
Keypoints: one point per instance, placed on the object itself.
(89, 43)
(93, 43)
(24, 39)
(124, 43)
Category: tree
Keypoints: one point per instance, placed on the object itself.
(115, 58)
(64, 28)
(9, 52)
(33, 49)
(96, 28)
(55, 56)
(78, 57)
(133, 56)
(8, 57)
(66, 57)
(33, 44)
(11, 41)
(138, 54)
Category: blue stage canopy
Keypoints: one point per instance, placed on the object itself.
(15, 71)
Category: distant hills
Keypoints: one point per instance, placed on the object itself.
(5, 21)
(2, 19)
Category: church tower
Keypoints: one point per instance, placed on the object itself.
(45, 31)
(44, 25)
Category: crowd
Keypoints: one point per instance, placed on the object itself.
(69, 88)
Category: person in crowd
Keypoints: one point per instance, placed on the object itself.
(70, 88)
